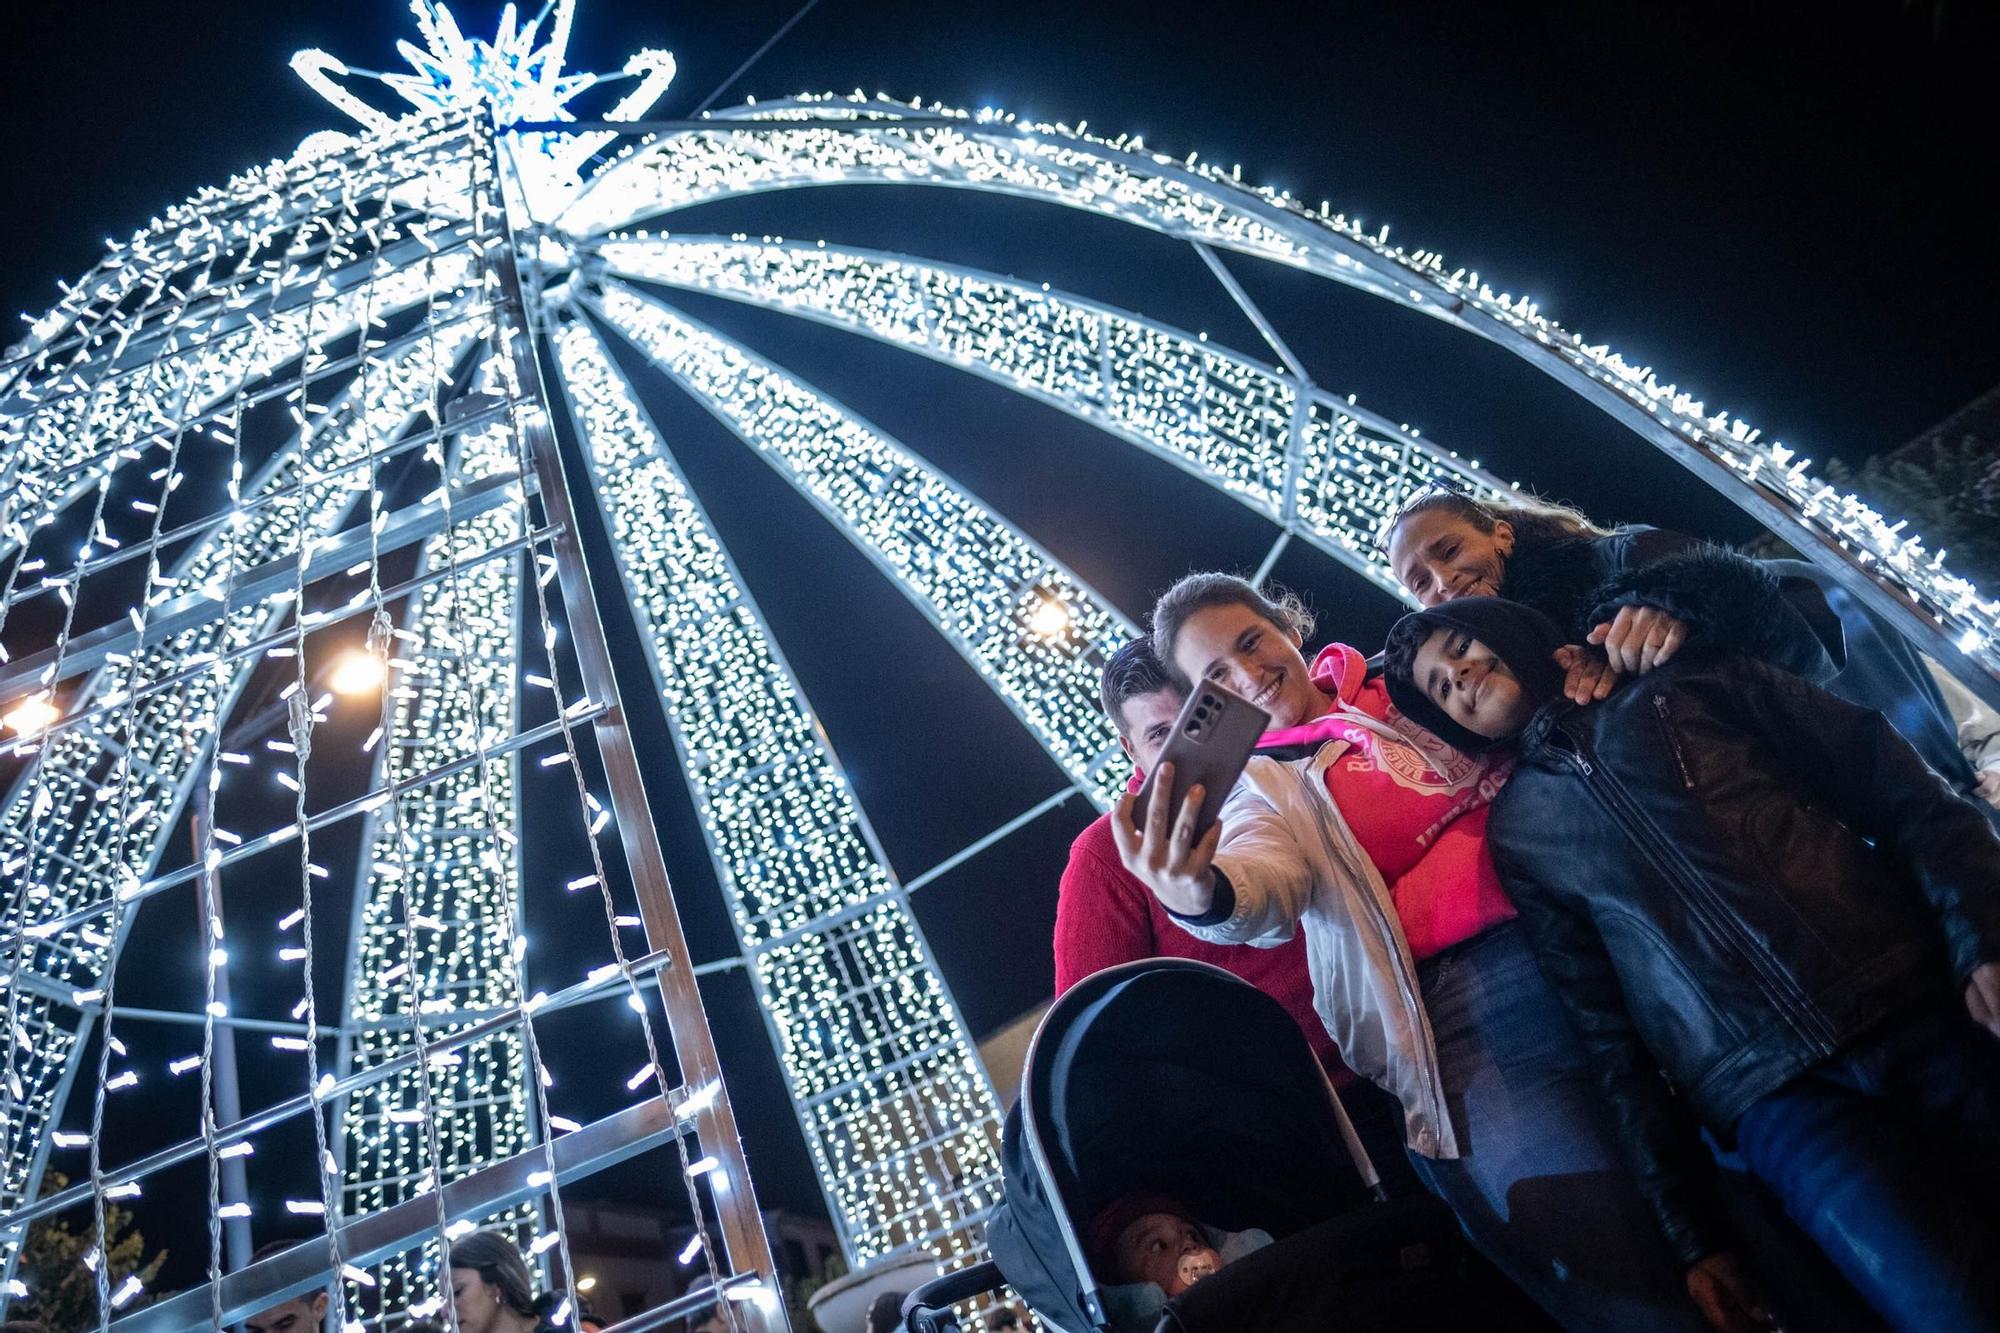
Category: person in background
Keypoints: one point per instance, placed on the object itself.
(710, 1320)
(1006, 1319)
(301, 1314)
(1755, 895)
(491, 1289)
(885, 1312)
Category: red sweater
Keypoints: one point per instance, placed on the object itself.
(1105, 917)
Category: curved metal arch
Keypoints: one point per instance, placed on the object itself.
(250, 207)
(976, 577)
(1315, 463)
(1894, 574)
(63, 448)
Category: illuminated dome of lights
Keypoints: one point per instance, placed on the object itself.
(294, 442)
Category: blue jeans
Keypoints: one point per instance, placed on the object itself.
(1541, 1188)
(1888, 1154)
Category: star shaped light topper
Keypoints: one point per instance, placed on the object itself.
(518, 79)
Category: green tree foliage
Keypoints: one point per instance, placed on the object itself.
(1947, 484)
(62, 1292)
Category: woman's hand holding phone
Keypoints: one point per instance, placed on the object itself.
(1168, 858)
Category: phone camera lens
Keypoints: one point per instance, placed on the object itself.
(1193, 727)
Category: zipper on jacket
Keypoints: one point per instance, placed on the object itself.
(1412, 994)
(1782, 992)
(1665, 714)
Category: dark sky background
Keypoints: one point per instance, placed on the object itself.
(1773, 204)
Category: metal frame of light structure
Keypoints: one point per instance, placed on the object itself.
(828, 140)
(163, 340)
(252, 567)
(167, 736)
(840, 966)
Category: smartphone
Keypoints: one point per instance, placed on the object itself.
(1211, 741)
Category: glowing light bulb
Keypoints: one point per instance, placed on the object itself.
(32, 716)
(1048, 620)
(358, 672)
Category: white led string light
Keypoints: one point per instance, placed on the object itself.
(977, 578)
(169, 335)
(175, 711)
(121, 775)
(859, 141)
(464, 690)
(812, 891)
(1223, 417)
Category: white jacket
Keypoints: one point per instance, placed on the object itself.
(1292, 859)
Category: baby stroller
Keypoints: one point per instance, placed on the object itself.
(1176, 1078)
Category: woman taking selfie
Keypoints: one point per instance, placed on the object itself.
(1368, 833)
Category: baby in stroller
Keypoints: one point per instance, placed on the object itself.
(1151, 1249)
(1121, 1214)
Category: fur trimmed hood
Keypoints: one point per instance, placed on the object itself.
(1731, 605)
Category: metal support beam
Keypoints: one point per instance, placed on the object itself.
(748, 1248)
(308, 1265)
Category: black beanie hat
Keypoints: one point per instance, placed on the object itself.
(1519, 635)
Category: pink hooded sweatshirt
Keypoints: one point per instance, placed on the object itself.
(1417, 806)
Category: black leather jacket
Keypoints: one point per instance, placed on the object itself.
(1728, 875)
(1876, 667)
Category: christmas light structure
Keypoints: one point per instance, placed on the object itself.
(297, 436)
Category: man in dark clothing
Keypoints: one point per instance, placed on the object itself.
(1758, 890)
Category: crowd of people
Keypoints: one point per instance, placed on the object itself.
(1640, 896)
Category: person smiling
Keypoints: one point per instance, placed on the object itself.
(1445, 544)
(1366, 833)
(1760, 891)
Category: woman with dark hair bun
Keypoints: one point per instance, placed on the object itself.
(492, 1290)
(1367, 834)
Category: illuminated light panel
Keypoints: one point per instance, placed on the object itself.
(1225, 418)
(202, 316)
(978, 579)
(437, 853)
(898, 1114)
(134, 281)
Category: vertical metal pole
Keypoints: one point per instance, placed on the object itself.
(748, 1247)
(228, 1094)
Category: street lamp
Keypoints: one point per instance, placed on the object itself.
(358, 671)
(1049, 620)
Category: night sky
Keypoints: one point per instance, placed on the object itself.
(1771, 204)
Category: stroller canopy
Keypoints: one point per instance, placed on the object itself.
(1170, 1077)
